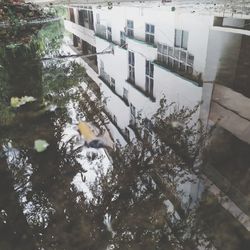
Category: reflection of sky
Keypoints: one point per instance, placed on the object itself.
(36, 214)
(83, 181)
(94, 168)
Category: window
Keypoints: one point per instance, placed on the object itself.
(75, 41)
(176, 54)
(91, 20)
(132, 109)
(122, 39)
(171, 51)
(149, 68)
(85, 19)
(183, 56)
(130, 28)
(112, 83)
(132, 74)
(105, 101)
(115, 120)
(181, 39)
(125, 94)
(132, 115)
(80, 18)
(102, 68)
(163, 51)
(184, 39)
(149, 85)
(148, 128)
(147, 136)
(178, 35)
(149, 33)
(190, 60)
(71, 15)
(131, 66)
(127, 133)
(131, 58)
(109, 30)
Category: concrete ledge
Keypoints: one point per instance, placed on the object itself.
(82, 32)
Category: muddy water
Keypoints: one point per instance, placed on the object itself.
(71, 197)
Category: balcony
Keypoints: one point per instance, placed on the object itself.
(141, 90)
(185, 73)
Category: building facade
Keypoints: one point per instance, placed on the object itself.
(151, 57)
(141, 54)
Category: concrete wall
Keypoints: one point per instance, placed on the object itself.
(231, 110)
(223, 53)
(165, 21)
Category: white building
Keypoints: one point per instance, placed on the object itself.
(159, 51)
(156, 52)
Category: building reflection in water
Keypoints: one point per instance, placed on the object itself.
(141, 54)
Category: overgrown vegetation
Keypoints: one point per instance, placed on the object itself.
(20, 21)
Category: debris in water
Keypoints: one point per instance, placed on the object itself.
(16, 102)
(40, 145)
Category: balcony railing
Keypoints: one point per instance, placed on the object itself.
(187, 73)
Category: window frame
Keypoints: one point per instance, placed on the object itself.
(130, 28)
(149, 77)
(109, 33)
(122, 38)
(131, 66)
(125, 94)
(149, 33)
(181, 39)
(112, 83)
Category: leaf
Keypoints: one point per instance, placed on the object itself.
(16, 102)
(40, 145)
(13, 45)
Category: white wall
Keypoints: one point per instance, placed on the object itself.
(174, 87)
(165, 21)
